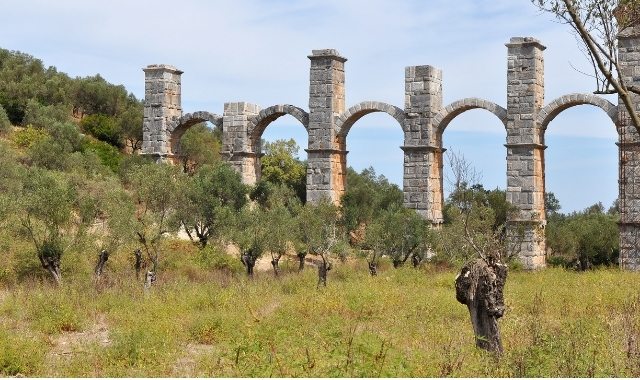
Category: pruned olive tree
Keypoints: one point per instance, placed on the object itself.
(318, 232)
(250, 234)
(207, 201)
(46, 210)
(472, 229)
(153, 188)
(597, 24)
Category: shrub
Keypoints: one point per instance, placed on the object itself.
(43, 116)
(26, 137)
(108, 154)
(212, 257)
(104, 128)
(5, 124)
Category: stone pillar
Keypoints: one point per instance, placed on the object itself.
(236, 145)
(326, 156)
(161, 104)
(525, 150)
(422, 182)
(629, 150)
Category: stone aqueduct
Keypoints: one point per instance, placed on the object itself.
(423, 121)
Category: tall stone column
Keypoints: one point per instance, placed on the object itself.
(326, 156)
(162, 86)
(525, 150)
(629, 150)
(423, 161)
(236, 145)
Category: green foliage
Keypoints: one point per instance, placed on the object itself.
(20, 356)
(108, 154)
(199, 146)
(104, 128)
(213, 257)
(153, 189)
(130, 123)
(584, 239)
(27, 137)
(398, 234)
(281, 166)
(42, 116)
(5, 124)
(24, 80)
(317, 229)
(207, 200)
(367, 196)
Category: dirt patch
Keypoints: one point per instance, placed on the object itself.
(186, 365)
(69, 343)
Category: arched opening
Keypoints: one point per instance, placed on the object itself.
(479, 137)
(281, 149)
(374, 169)
(582, 174)
(475, 164)
(581, 154)
(198, 145)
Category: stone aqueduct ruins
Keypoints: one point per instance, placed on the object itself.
(423, 120)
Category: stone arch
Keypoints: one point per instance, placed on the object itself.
(345, 121)
(260, 122)
(448, 113)
(553, 109)
(179, 126)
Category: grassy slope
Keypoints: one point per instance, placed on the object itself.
(404, 322)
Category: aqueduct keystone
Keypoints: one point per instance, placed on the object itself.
(423, 121)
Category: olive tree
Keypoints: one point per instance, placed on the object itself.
(45, 210)
(207, 201)
(250, 234)
(318, 233)
(154, 188)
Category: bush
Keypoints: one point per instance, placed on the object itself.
(5, 124)
(43, 116)
(26, 137)
(108, 154)
(104, 128)
(212, 257)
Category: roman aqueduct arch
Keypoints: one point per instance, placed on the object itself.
(423, 121)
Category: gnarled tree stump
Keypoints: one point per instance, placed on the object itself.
(480, 286)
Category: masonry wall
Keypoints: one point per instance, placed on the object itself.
(162, 103)
(525, 149)
(629, 145)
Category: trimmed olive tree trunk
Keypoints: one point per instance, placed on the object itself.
(323, 268)
(103, 256)
(480, 286)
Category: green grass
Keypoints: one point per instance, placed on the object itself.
(207, 322)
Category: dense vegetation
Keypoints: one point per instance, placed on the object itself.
(71, 192)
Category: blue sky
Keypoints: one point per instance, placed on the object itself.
(256, 51)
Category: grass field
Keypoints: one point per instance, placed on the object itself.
(404, 322)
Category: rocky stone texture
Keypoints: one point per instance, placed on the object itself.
(423, 154)
(423, 121)
(162, 104)
(629, 146)
(525, 148)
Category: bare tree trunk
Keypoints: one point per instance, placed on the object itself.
(138, 263)
(323, 268)
(480, 286)
(301, 256)
(249, 262)
(52, 265)
(373, 267)
(103, 256)
(149, 279)
(415, 260)
(275, 260)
